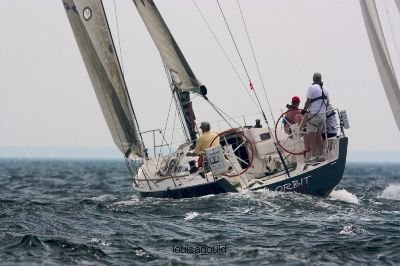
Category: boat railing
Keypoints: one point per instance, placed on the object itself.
(330, 131)
(164, 142)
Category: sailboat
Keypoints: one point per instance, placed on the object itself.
(247, 158)
(382, 54)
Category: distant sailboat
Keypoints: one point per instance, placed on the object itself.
(248, 157)
(382, 55)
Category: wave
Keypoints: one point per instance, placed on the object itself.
(26, 242)
(344, 195)
(102, 198)
(391, 192)
(69, 247)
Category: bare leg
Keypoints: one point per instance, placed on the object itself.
(313, 143)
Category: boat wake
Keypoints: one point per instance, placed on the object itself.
(392, 192)
(344, 195)
(132, 201)
(103, 198)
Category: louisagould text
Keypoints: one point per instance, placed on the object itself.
(203, 250)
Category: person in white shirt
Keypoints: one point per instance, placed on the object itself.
(316, 106)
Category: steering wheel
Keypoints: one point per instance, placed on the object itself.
(222, 135)
(282, 142)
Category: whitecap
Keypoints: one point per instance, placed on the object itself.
(351, 230)
(99, 242)
(347, 230)
(190, 216)
(246, 210)
(344, 195)
(142, 253)
(207, 196)
(392, 192)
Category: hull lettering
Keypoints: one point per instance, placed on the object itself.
(292, 185)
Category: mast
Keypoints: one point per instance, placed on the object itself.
(90, 27)
(181, 75)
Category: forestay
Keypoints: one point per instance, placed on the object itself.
(382, 55)
(92, 33)
(179, 69)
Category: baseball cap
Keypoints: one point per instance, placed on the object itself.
(295, 100)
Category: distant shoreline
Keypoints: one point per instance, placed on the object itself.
(111, 153)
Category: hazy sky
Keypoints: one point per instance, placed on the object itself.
(46, 97)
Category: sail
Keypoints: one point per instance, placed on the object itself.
(179, 69)
(90, 27)
(175, 63)
(382, 56)
(398, 5)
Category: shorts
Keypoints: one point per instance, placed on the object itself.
(329, 135)
(316, 122)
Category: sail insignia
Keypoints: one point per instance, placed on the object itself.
(87, 13)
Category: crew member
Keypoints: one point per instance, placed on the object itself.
(206, 140)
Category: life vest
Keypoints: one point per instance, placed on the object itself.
(322, 97)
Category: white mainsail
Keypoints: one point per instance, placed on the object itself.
(180, 71)
(382, 55)
(90, 27)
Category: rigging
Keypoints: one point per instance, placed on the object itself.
(119, 39)
(252, 88)
(224, 52)
(243, 64)
(255, 60)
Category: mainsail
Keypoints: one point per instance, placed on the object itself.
(92, 33)
(382, 55)
(180, 71)
(398, 5)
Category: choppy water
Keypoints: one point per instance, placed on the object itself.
(85, 213)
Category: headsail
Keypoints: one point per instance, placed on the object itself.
(382, 55)
(90, 27)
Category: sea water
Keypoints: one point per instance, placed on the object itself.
(74, 212)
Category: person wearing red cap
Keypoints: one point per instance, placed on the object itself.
(296, 100)
(293, 111)
(295, 116)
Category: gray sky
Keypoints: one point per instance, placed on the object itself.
(47, 98)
